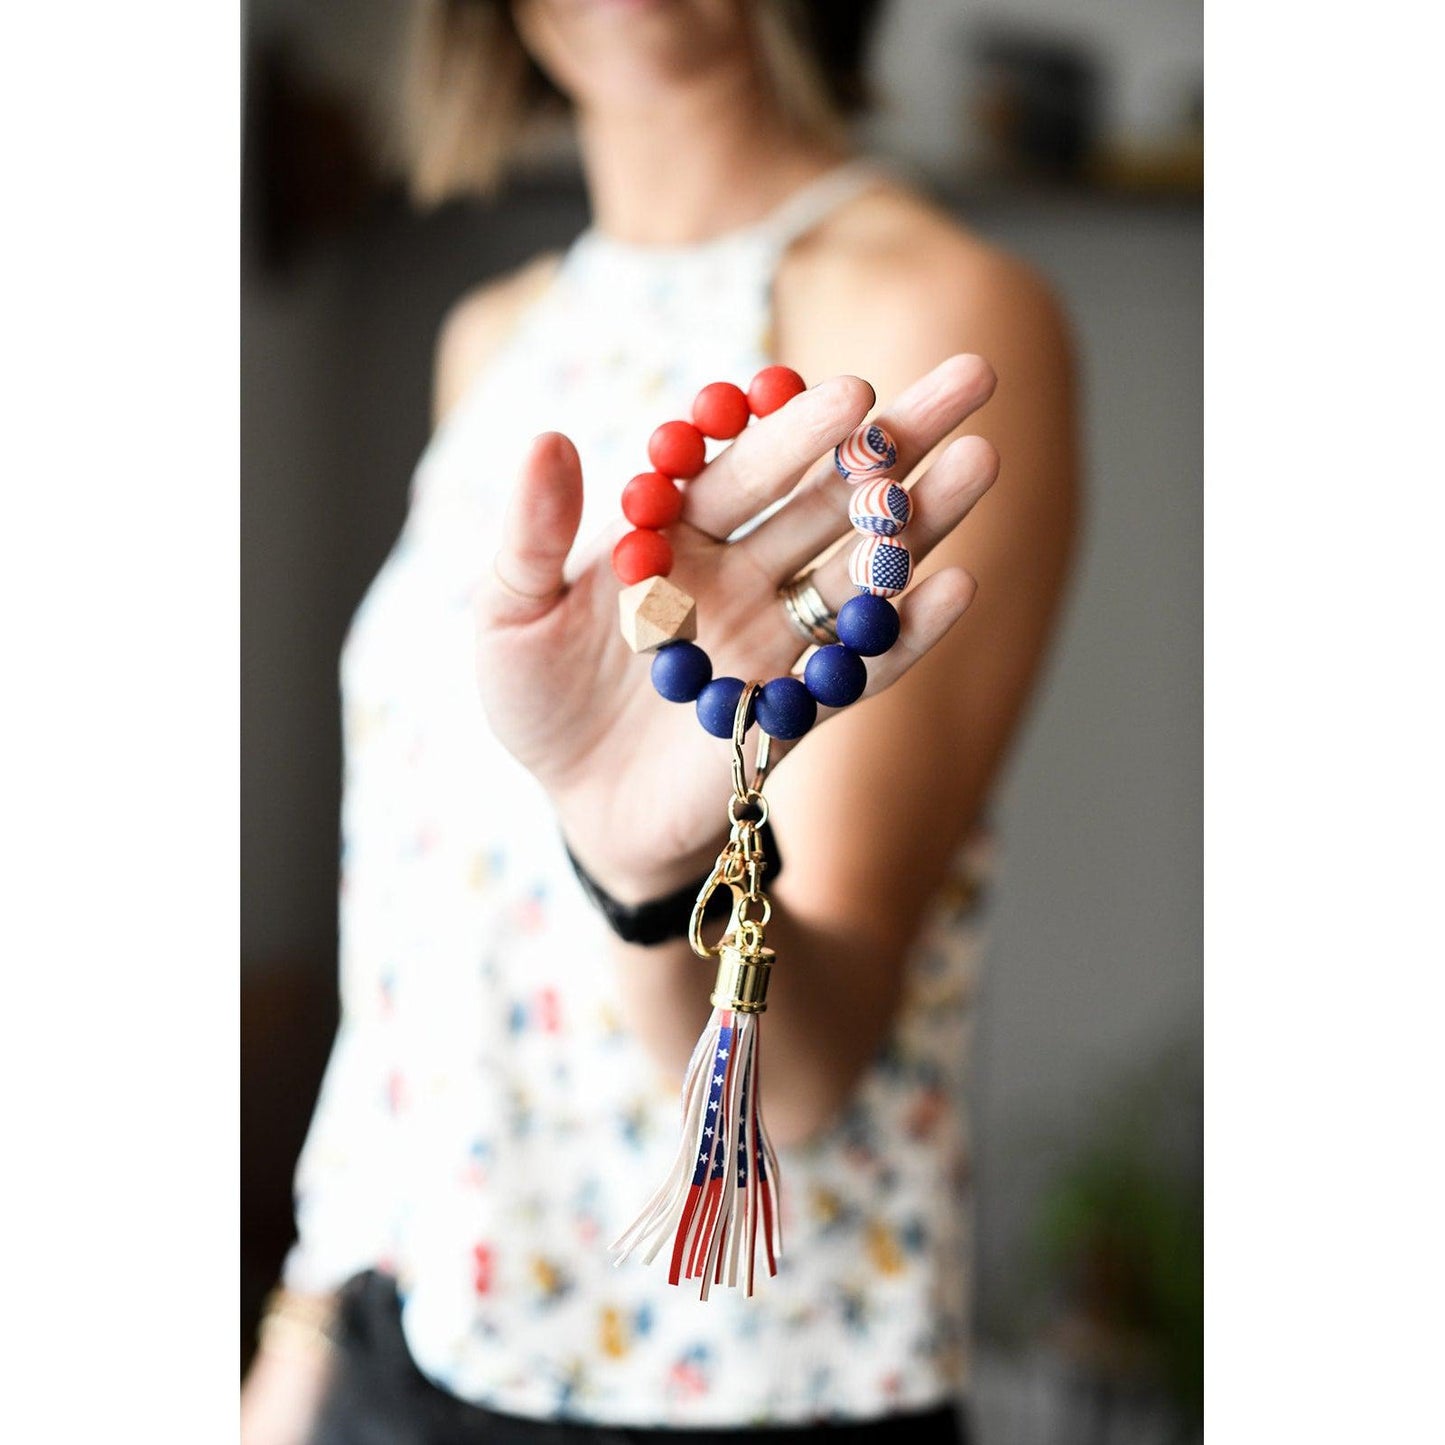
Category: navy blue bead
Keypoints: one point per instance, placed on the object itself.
(785, 708)
(836, 675)
(868, 624)
(680, 671)
(717, 705)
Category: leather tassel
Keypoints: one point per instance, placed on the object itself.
(716, 1213)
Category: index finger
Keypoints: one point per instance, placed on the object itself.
(770, 457)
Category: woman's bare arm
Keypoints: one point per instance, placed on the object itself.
(477, 326)
(870, 809)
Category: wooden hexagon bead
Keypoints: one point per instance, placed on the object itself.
(656, 611)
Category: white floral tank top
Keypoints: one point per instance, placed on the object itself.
(487, 1124)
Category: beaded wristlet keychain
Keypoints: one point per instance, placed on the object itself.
(719, 1198)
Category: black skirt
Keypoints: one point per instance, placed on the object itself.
(379, 1397)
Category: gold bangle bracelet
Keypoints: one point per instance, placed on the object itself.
(293, 1323)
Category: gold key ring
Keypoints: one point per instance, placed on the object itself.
(739, 866)
(741, 789)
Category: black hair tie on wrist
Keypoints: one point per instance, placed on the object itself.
(661, 920)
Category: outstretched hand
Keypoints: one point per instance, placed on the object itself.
(638, 786)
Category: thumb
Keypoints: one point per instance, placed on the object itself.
(538, 530)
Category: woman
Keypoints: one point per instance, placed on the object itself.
(502, 1093)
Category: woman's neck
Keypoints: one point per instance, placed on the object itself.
(708, 159)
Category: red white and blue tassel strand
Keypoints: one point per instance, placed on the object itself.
(717, 1205)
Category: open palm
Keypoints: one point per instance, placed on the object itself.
(637, 784)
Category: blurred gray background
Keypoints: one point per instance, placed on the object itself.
(1086, 1093)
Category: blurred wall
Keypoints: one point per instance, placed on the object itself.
(1095, 966)
(1151, 54)
(1095, 975)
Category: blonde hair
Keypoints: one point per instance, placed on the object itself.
(472, 93)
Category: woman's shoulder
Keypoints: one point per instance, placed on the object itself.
(479, 323)
(893, 261)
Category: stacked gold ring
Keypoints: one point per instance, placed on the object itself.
(807, 611)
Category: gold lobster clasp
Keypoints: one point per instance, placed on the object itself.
(739, 866)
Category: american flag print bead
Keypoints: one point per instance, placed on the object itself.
(881, 508)
(869, 452)
(880, 566)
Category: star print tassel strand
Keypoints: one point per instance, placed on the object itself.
(718, 1204)
(717, 1210)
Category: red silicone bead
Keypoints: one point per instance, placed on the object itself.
(772, 387)
(651, 500)
(677, 449)
(640, 555)
(721, 410)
